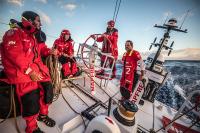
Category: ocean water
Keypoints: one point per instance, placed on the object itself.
(185, 77)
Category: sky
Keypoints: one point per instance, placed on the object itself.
(134, 22)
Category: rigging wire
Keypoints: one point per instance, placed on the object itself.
(73, 109)
(14, 111)
(184, 113)
(186, 130)
(11, 105)
(116, 11)
(166, 18)
(186, 15)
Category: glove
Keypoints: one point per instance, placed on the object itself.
(35, 76)
(141, 77)
(104, 35)
(95, 45)
(93, 36)
(54, 52)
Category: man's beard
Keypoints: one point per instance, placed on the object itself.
(109, 30)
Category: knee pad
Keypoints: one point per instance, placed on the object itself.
(30, 103)
(48, 92)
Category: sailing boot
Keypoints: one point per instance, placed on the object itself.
(46, 120)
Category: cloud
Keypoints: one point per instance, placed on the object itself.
(42, 1)
(69, 14)
(44, 17)
(16, 2)
(181, 54)
(69, 6)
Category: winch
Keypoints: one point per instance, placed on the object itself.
(125, 113)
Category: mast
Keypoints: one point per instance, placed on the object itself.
(170, 26)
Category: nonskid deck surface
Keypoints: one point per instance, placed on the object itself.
(69, 121)
(60, 110)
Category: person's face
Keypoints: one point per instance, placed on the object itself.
(110, 27)
(66, 37)
(37, 22)
(128, 46)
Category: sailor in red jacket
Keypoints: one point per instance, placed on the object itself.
(112, 34)
(65, 48)
(45, 85)
(131, 58)
(20, 61)
(43, 50)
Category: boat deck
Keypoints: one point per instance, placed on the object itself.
(70, 121)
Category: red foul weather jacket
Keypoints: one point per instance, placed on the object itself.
(107, 47)
(64, 47)
(130, 65)
(44, 50)
(20, 57)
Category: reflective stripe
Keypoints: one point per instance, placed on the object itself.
(130, 53)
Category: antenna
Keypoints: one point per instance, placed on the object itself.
(186, 15)
(185, 18)
(169, 26)
(166, 18)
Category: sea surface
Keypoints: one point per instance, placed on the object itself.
(185, 77)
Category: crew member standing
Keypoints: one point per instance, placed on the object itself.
(130, 59)
(109, 47)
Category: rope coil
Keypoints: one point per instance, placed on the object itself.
(55, 73)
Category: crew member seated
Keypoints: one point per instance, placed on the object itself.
(24, 70)
(64, 45)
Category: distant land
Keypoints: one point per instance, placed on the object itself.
(182, 54)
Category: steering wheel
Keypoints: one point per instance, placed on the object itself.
(89, 44)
